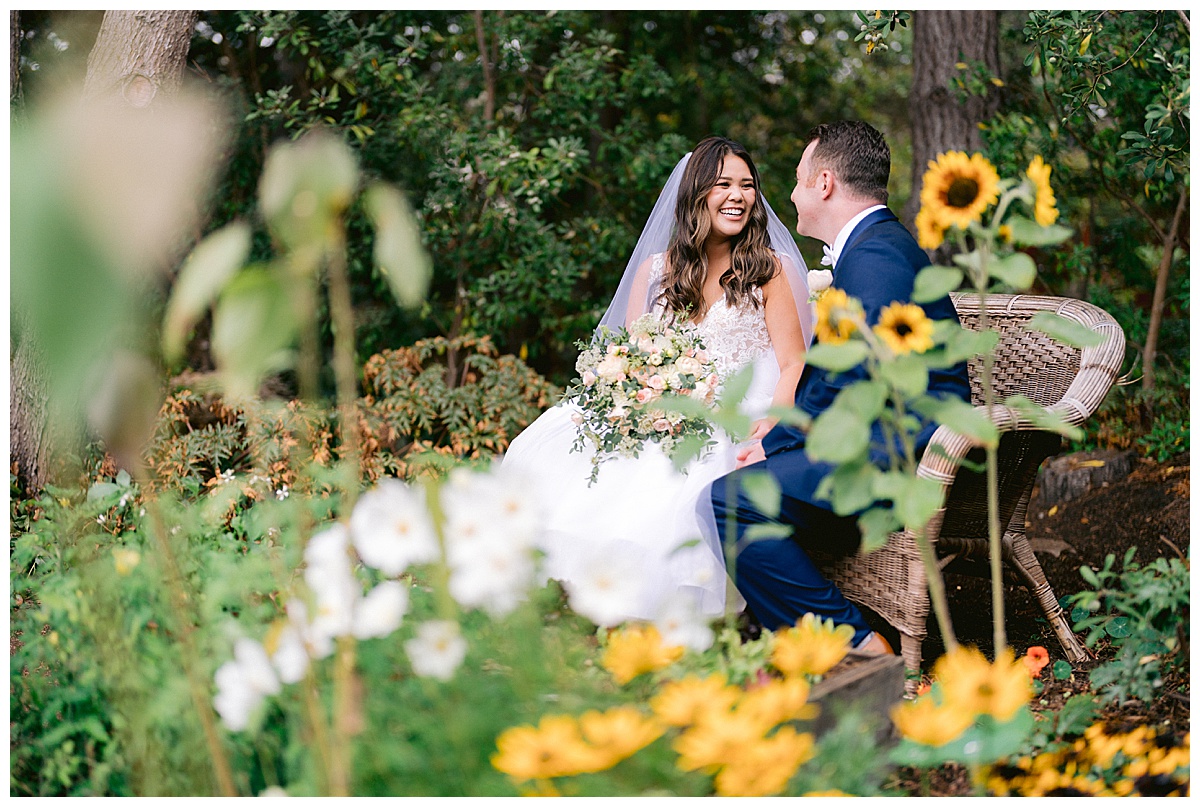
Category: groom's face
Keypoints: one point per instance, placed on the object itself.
(805, 195)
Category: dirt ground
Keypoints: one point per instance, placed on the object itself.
(1149, 509)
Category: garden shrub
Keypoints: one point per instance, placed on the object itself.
(457, 398)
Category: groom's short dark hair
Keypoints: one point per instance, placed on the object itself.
(857, 153)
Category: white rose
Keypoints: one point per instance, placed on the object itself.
(819, 279)
(612, 368)
(687, 365)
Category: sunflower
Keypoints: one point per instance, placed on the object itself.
(1044, 211)
(957, 188)
(836, 314)
(905, 328)
(930, 234)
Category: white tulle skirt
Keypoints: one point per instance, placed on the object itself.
(656, 521)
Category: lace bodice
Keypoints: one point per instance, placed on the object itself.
(734, 336)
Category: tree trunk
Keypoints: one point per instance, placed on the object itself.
(139, 55)
(1150, 351)
(940, 122)
(14, 58)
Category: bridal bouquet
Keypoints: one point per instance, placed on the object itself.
(623, 375)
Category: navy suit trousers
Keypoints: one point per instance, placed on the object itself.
(775, 575)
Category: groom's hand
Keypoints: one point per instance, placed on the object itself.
(750, 453)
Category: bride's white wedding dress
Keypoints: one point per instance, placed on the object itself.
(641, 514)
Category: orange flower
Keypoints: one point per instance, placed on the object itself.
(1035, 659)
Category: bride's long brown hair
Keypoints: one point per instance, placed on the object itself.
(752, 263)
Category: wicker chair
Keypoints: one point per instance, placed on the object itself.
(1073, 382)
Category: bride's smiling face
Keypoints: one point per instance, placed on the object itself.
(730, 200)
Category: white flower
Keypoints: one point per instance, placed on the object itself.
(243, 683)
(819, 280)
(688, 366)
(289, 655)
(492, 525)
(680, 623)
(613, 368)
(282, 493)
(600, 588)
(330, 577)
(392, 529)
(437, 651)
(494, 577)
(272, 792)
(379, 613)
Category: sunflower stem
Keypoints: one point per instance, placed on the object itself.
(999, 639)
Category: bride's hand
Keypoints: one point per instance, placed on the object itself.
(761, 427)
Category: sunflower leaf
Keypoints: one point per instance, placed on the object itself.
(1028, 233)
(1064, 330)
(838, 435)
(935, 282)
(876, 525)
(906, 374)
(837, 358)
(1016, 270)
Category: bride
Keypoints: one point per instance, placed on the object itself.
(713, 252)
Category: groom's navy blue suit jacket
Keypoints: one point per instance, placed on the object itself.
(878, 265)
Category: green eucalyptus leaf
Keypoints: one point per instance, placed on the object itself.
(734, 389)
(205, 272)
(1017, 270)
(399, 254)
(838, 358)
(935, 282)
(767, 529)
(838, 435)
(1065, 330)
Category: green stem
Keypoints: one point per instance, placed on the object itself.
(729, 540)
(993, 485)
(347, 698)
(186, 628)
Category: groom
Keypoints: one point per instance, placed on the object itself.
(840, 198)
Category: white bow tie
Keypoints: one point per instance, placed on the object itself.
(827, 257)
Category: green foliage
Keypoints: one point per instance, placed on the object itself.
(1142, 611)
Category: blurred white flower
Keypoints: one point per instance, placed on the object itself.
(602, 586)
(494, 576)
(242, 684)
(379, 613)
(331, 579)
(392, 529)
(282, 493)
(492, 526)
(437, 650)
(273, 791)
(288, 654)
(679, 622)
